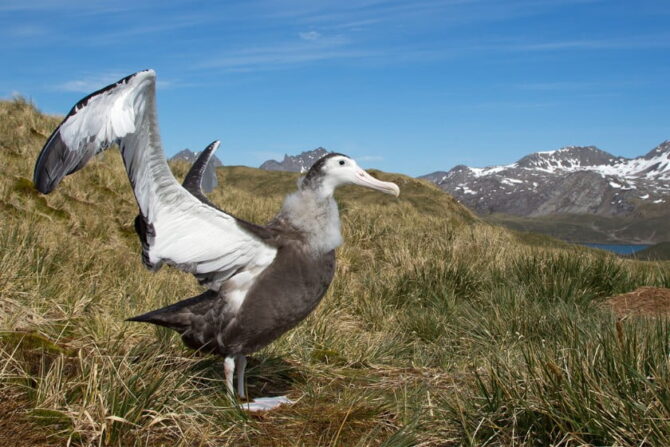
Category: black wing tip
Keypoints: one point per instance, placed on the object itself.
(42, 183)
(45, 187)
(50, 167)
(193, 180)
(213, 146)
(206, 155)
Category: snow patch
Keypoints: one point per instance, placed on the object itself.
(510, 181)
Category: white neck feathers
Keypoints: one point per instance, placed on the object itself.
(316, 216)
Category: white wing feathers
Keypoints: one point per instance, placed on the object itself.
(184, 231)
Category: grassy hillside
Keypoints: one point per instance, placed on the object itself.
(656, 252)
(438, 329)
(647, 229)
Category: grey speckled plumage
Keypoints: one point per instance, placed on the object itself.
(261, 280)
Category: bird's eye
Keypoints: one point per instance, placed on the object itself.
(341, 162)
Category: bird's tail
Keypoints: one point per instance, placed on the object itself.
(179, 316)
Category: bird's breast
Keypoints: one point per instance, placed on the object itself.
(282, 296)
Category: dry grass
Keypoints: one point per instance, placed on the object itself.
(438, 329)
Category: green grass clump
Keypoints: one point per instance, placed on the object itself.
(438, 329)
(606, 385)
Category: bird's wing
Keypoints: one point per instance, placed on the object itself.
(178, 228)
(194, 177)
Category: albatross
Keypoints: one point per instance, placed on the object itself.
(260, 280)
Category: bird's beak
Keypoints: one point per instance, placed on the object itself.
(362, 178)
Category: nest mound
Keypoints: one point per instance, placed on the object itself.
(645, 301)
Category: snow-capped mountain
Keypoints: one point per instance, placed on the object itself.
(571, 180)
(209, 180)
(295, 163)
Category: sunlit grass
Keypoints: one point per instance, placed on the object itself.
(437, 330)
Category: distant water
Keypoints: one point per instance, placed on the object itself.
(619, 249)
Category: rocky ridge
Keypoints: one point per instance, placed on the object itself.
(571, 180)
(295, 163)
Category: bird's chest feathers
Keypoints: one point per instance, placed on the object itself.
(317, 218)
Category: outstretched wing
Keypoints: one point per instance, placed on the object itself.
(178, 228)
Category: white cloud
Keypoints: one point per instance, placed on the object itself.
(285, 54)
(310, 35)
(12, 95)
(26, 31)
(92, 82)
(627, 43)
(577, 85)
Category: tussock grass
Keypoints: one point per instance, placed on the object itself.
(438, 329)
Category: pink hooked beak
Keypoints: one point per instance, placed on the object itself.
(362, 178)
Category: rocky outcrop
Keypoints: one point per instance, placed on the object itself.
(295, 163)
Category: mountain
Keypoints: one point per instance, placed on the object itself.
(571, 180)
(209, 181)
(295, 163)
(555, 192)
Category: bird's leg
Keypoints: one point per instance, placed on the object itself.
(229, 369)
(240, 364)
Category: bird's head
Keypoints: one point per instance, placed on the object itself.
(333, 170)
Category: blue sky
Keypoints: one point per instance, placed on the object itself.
(402, 86)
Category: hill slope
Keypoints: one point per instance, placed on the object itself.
(656, 252)
(437, 330)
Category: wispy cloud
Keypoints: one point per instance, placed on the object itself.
(557, 85)
(578, 85)
(364, 13)
(78, 7)
(502, 105)
(310, 35)
(157, 26)
(618, 43)
(89, 83)
(92, 82)
(12, 94)
(285, 54)
(26, 31)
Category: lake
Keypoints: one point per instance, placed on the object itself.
(619, 249)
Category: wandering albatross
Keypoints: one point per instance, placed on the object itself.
(261, 280)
